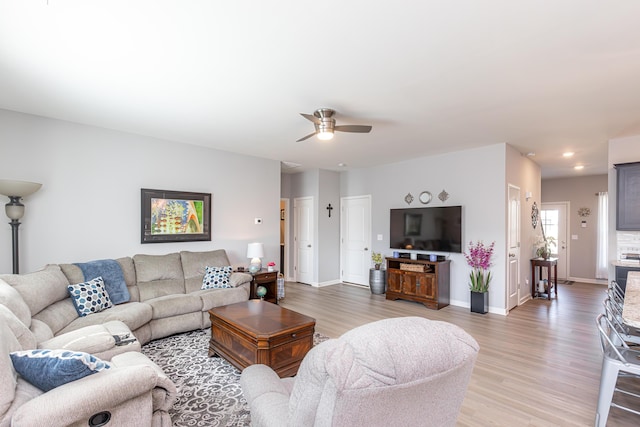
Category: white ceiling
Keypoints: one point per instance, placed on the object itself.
(430, 76)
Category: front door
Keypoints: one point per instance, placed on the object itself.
(304, 239)
(553, 218)
(513, 246)
(355, 242)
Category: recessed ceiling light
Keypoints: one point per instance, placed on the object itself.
(531, 154)
(342, 165)
(568, 154)
(578, 167)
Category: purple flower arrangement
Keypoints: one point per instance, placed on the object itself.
(479, 259)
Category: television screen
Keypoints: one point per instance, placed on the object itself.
(427, 229)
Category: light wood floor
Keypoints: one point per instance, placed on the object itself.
(539, 366)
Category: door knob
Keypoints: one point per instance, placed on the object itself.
(308, 246)
(512, 255)
(366, 249)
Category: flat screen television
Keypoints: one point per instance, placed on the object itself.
(427, 229)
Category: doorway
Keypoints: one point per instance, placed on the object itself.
(304, 240)
(355, 239)
(553, 217)
(513, 263)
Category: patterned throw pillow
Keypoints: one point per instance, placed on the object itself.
(216, 277)
(89, 297)
(48, 369)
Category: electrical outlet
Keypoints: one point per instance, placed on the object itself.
(257, 221)
(379, 236)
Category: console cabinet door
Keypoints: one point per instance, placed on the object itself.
(394, 280)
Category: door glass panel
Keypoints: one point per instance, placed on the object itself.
(550, 221)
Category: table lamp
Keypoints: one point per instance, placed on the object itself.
(255, 251)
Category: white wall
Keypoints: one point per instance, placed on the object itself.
(524, 174)
(474, 179)
(329, 228)
(89, 204)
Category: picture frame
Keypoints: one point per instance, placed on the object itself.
(412, 224)
(174, 216)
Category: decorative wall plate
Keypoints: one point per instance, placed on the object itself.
(443, 196)
(425, 197)
(408, 198)
(534, 215)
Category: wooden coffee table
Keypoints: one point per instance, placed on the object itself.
(257, 331)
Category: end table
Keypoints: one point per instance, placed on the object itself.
(269, 280)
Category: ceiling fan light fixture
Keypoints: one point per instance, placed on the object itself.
(325, 135)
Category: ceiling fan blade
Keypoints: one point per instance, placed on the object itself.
(353, 128)
(311, 118)
(306, 137)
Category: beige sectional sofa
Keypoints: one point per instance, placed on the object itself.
(165, 298)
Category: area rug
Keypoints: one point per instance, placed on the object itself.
(209, 392)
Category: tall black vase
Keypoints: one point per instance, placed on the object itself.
(479, 302)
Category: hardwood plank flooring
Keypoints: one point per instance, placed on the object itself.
(538, 366)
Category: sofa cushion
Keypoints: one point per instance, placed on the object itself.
(159, 275)
(48, 369)
(12, 299)
(41, 288)
(90, 297)
(216, 277)
(194, 263)
(25, 337)
(132, 314)
(57, 315)
(8, 376)
(174, 305)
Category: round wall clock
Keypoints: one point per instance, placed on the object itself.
(534, 215)
(425, 197)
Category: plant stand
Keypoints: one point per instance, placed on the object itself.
(480, 302)
(377, 281)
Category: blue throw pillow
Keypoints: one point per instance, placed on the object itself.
(89, 297)
(217, 277)
(48, 369)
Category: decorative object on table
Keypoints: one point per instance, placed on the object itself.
(443, 196)
(584, 212)
(255, 251)
(408, 198)
(329, 208)
(544, 245)
(175, 216)
(16, 190)
(425, 197)
(261, 291)
(376, 257)
(535, 215)
(271, 266)
(479, 259)
(280, 286)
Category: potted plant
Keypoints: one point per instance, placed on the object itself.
(479, 259)
(377, 275)
(544, 245)
(376, 257)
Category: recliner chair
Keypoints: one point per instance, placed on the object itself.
(399, 371)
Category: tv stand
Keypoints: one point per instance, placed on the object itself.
(422, 281)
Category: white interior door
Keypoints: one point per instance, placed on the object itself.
(513, 247)
(355, 241)
(304, 239)
(553, 218)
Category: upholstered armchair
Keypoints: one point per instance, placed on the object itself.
(400, 371)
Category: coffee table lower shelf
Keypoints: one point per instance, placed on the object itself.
(261, 332)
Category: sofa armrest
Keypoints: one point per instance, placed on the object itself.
(267, 394)
(77, 401)
(236, 279)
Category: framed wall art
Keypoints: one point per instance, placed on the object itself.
(175, 216)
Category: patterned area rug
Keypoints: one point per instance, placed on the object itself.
(209, 392)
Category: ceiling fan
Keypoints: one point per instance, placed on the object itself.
(325, 125)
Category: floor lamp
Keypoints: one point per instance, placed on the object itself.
(16, 190)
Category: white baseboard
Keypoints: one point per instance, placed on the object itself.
(592, 281)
